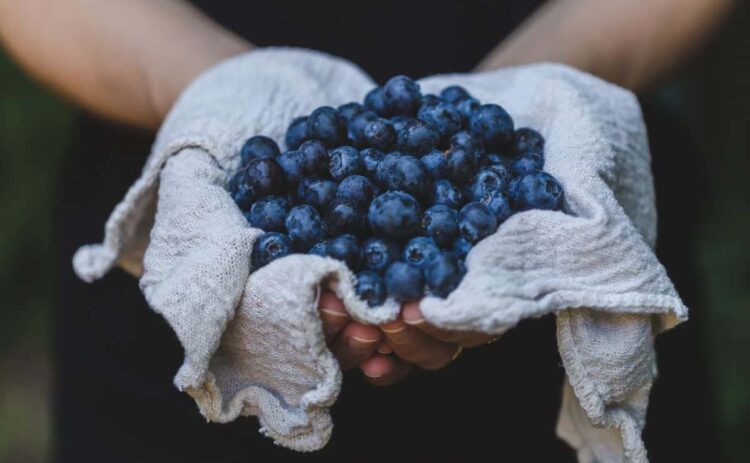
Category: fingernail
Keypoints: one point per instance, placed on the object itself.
(334, 313)
(384, 348)
(412, 316)
(416, 321)
(396, 333)
(371, 376)
(358, 342)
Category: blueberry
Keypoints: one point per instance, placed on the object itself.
(441, 224)
(314, 157)
(375, 102)
(269, 247)
(461, 247)
(417, 137)
(404, 282)
(349, 110)
(500, 203)
(357, 189)
(319, 249)
(430, 100)
(268, 213)
(379, 253)
(326, 125)
(243, 196)
(380, 134)
(493, 125)
(467, 140)
(418, 251)
(454, 93)
(345, 248)
(356, 128)
(317, 192)
(538, 190)
(402, 95)
(345, 161)
(486, 182)
(258, 147)
(466, 108)
(443, 117)
(344, 216)
(394, 214)
(292, 164)
(443, 274)
(304, 226)
(296, 133)
(371, 157)
(263, 177)
(447, 194)
(433, 162)
(460, 164)
(371, 288)
(399, 122)
(408, 174)
(526, 139)
(527, 163)
(476, 221)
(385, 166)
(494, 159)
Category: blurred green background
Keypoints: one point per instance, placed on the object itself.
(711, 96)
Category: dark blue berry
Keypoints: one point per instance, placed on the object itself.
(379, 253)
(526, 139)
(417, 137)
(418, 251)
(304, 226)
(476, 221)
(466, 108)
(433, 161)
(296, 133)
(527, 163)
(467, 140)
(443, 274)
(460, 164)
(344, 216)
(356, 128)
(317, 192)
(269, 247)
(319, 249)
(292, 164)
(486, 182)
(500, 203)
(493, 125)
(399, 122)
(375, 102)
(371, 288)
(447, 194)
(345, 161)
(357, 189)
(443, 117)
(345, 248)
(461, 247)
(454, 93)
(349, 110)
(538, 190)
(326, 125)
(408, 174)
(371, 157)
(263, 177)
(493, 159)
(380, 134)
(402, 95)
(314, 157)
(430, 99)
(269, 213)
(243, 195)
(394, 214)
(441, 224)
(385, 166)
(404, 282)
(258, 147)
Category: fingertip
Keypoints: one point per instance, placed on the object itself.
(331, 304)
(377, 366)
(366, 334)
(412, 314)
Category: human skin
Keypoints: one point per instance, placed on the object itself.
(129, 61)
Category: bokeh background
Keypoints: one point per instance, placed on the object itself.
(703, 112)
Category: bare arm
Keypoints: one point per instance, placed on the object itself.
(128, 60)
(630, 42)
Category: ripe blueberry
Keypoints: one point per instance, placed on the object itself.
(404, 282)
(304, 226)
(493, 125)
(317, 192)
(314, 157)
(379, 253)
(380, 134)
(443, 274)
(258, 147)
(476, 221)
(446, 193)
(346, 249)
(269, 213)
(326, 125)
(394, 214)
(263, 177)
(402, 95)
(417, 137)
(296, 133)
(460, 164)
(357, 189)
(418, 251)
(526, 139)
(441, 224)
(269, 247)
(375, 102)
(527, 163)
(371, 288)
(345, 161)
(292, 164)
(344, 216)
(454, 93)
(443, 117)
(538, 190)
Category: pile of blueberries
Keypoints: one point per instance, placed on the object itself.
(399, 188)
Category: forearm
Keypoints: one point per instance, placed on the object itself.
(629, 42)
(128, 60)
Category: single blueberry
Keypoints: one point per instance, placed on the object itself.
(493, 159)
(345, 248)
(319, 249)
(417, 137)
(466, 108)
(526, 139)
(418, 251)
(443, 274)
(447, 194)
(345, 161)
(399, 122)
(538, 190)
(357, 189)
(394, 214)
(493, 125)
(349, 110)
(500, 203)
(296, 133)
(291, 162)
(269, 213)
(314, 157)
(454, 93)
(408, 174)
(476, 221)
(380, 134)
(344, 216)
(263, 177)
(404, 282)
(355, 130)
(269, 247)
(375, 102)
(433, 162)
(460, 164)
(402, 95)
(441, 224)
(486, 182)
(317, 192)
(443, 117)
(371, 288)
(243, 196)
(467, 140)
(371, 157)
(379, 253)
(385, 167)
(527, 163)
(325, 124)
(259, 147)
(430, 99)
(461, 247)
(304, 226)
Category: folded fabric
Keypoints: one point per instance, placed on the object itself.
(254, 343)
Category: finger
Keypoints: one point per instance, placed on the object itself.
(384, 348)
(383, 370)
(416, 347)
(355, 344)
(412, 316)
(333, 315)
